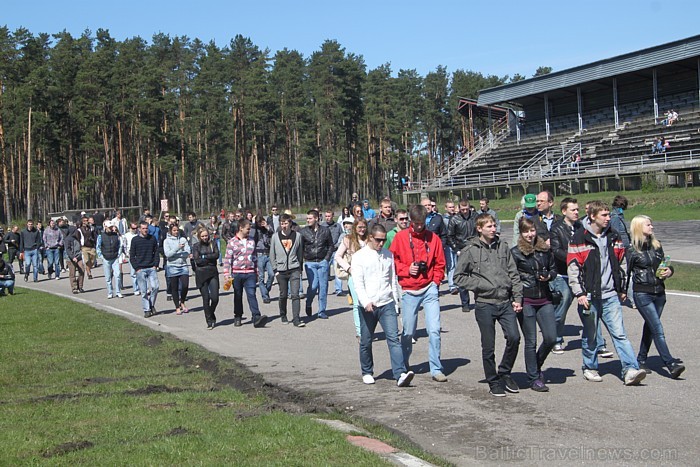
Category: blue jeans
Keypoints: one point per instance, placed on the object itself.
(133, 279)
(54, 260)
(31, 257)
(148, 278)
(247, 281)
(386, 316)
(610, 311)
(10, 285)
(450, 264)
(264, 266)
(561, 285)
(529, 318)
(431, 307)
(112, 272)
(651, 306)
(317, 276)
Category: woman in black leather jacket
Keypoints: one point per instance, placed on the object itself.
(643, 260)
(535, 264)
(205, 255)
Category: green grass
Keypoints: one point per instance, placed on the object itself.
(686, 277)
(671, 204)
(80, 386)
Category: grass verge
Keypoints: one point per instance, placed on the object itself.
(686, 277)
(79, 386)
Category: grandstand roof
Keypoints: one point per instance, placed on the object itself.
(631, 62)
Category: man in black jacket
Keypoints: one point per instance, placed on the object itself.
(561, 233)
(317, 245)
(7, 278)
(143, 254)
(29, 243)
(12, 244)
(461, 227)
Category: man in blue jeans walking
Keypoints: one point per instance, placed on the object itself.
(317, 244)
(144, 258)
(377, 291)
(419, 260)
(30, 241)
(596, 280)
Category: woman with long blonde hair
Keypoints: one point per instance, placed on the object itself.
(644, 260)
(343, 256)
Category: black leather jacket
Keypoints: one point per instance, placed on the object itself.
(460, 229)
(532, 262)
(317, 244)
(642, 266)
(560, 237)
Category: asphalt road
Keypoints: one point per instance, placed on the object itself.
(577, 421)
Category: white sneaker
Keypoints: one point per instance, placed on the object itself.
(558, 349)
(634, 377)
(368, 379)
(592, 375)
(137, 293)
(109, 296)
(405, 379)
(605, 353)
(120, 295)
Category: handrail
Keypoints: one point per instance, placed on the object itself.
(534, 164)
(582, 169)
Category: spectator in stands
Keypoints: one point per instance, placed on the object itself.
(656, 147)
(665, 145)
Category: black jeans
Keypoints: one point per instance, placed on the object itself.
(289, 280)
(210, 298)
(529, 318)
(178, 287)
(486, 315)
(13, 253)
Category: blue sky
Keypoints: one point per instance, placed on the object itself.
(492, 37)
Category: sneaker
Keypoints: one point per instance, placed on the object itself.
(147, 314)
(26, 277)
(82, 290)
(413, 340)
(169, 298)
(109, 296)
(405, 379)
(58, 279)
(634, 377)
(302, 296)
(237, 322)
(266, 300)
(539, 386)
(605, 353)
(643, 366)
(368, 379)
(299, 324)
(592, 375)
(283, 319)
(137, 293)
(497, 390)
(76, 291)
(558, 349)
(466, 309)
(440, 377)
(260, 321)
(120, 295)
(676, 369)
(309, 312)
(510, 385)
(338, 293)
(322, 315)
(153, 311)
(210, 325)
(454, 292)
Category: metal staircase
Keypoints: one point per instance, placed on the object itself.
(549, 162)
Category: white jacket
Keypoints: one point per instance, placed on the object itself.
(374, 276)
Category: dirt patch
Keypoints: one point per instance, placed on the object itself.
(178, 431)
(98, 380)
(153, 389)
(153, 341)
(65, 448)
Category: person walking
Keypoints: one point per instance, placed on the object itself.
(351, 244)
(205, 254)
(239, 266)
(486, 267)
(377, 292)
(318, 248)
(266, 276)
(644, 263)
(420, 267)
(30, 242)
(287, 258)
(76, 267)
(178, 251)
(535, 264)
(144, 258)
(109, 249)
(53, 242)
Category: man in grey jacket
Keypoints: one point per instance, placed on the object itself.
(286, 257)
(486, 267)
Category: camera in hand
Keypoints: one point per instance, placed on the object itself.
(422, 267)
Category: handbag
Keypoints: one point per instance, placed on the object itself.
(341, 273)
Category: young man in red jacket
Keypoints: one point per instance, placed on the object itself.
(420, 267)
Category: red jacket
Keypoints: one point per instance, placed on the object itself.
(404, 256)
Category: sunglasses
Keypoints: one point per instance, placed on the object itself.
(379, 239)
(401, 219)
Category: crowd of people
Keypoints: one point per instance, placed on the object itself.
(394, 262)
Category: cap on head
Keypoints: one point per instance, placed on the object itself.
(530, 200)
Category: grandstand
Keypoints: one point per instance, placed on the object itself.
(604, 114)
